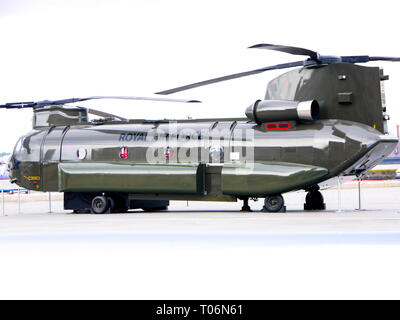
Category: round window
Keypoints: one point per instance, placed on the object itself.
(81, 153)
(216, 153)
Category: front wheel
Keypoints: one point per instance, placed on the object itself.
(273, 203)
(100, 204)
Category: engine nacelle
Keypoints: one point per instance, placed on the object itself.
(282, 110)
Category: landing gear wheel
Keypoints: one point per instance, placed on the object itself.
(274, 203)
(100, 204)
(314, 201)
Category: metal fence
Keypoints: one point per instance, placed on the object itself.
(18, 191)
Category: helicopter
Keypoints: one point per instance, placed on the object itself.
(325, 118)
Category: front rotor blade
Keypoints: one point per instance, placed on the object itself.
(18, 105)
(287, 49)
(231, 76)
(43, 103)
(74, 100)
(394, 59)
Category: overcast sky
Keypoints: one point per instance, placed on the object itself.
(54, 49)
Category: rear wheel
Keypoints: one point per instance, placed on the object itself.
(314, 201)
(273, 203)
(100, 204)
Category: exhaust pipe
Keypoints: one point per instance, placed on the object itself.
(281, 110)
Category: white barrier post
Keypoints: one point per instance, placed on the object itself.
(2, 196)
(359, 194)
(339, 195)
(19, 201)
(359, 197)
(49, 202)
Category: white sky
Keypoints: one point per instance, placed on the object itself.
(53, 49)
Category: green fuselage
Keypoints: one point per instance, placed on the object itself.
(218, 160)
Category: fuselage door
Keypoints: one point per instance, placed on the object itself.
(50, 155)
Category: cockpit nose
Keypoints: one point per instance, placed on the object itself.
(24, 165)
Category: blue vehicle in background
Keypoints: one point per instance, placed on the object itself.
(5, 184)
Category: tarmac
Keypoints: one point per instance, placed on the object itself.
(201, 250)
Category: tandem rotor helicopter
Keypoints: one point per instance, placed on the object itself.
(323, 119)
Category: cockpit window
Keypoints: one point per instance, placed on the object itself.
(18, 145)
(28, 147)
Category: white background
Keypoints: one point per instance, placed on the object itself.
(53, 49)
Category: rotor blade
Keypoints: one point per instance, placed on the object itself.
(104, 114)
(74, 100)
(18, 105)
(394, 59)
(355, 59)
(363, 59)
(287, 49)
(38, 104)
(231, 76)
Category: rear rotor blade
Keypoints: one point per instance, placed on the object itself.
(364, 59)
(288, 49)
(231, 76)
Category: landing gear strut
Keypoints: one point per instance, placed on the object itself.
(314, 200)
(274, 203)
(246, 207)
